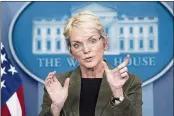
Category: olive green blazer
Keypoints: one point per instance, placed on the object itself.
(130, 106)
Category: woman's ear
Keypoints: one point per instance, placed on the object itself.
(106, 43)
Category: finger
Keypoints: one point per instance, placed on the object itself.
(51, 81)
(54, 73)
(66, 84)
(123, 70)
(50, 77)
(54, 79)
(105, 66)
(47, 79)
(51, 73)
(54, 76)
(124, 75)
(47, 83)
(125, 62)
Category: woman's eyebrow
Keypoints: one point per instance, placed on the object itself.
(76, 41)
(91, 37)
(80, 41)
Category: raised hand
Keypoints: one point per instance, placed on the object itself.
(118, 76)
(57, 93)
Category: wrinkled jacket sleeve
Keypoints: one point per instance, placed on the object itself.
(132, 103)
(46, 105)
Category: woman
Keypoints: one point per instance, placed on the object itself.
(92, 89)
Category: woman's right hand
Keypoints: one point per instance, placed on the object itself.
(57, 93)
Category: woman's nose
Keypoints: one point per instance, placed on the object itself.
(86, 49)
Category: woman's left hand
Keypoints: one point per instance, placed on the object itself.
(118, 76)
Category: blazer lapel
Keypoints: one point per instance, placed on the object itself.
(74, 91)
(104, 96)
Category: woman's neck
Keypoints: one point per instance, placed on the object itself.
(95, 72)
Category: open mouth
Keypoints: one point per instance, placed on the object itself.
(88, 59)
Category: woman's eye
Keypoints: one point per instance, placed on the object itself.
(76, 45)
(93, 40)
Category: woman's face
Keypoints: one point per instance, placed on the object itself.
(87, 46)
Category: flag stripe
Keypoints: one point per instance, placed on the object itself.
(12, 99)
(14, 105)
(5, 111)
(21, 99)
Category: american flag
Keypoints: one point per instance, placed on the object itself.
(12, 97)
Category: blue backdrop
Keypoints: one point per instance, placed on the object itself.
(157, 96)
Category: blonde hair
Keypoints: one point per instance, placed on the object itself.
(85, 18)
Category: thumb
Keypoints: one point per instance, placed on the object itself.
(105, 66)
(66, 84)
